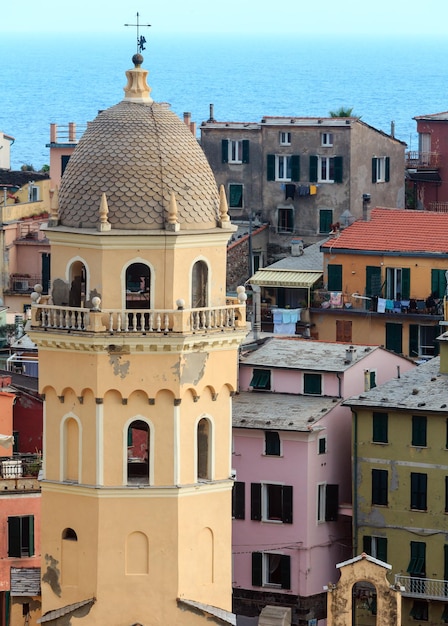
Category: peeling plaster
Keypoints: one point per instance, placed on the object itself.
(190, 368)
(52, 575)
(120, 369)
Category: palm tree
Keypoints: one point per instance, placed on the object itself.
(342, 112)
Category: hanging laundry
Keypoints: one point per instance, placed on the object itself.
(313, 190)
(304, 190)
(290, 191)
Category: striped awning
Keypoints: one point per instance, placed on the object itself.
(285, 278)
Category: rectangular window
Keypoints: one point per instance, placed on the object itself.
(379, 487)
(285, 138)
(380, 423)
(419, 489)
(417, 563)
(438, 283)
(235, 196)
(326, 139)
(422, 340)
(238, 500)
(322, 445)
(312, 384)
(372, 379)
(285, 220)
(334, 277)
(419, 430)
(380, 169)
(271, 502)
(373, 281)
(325, 220)
(270, 569)
(21, 536)
(344, 331)
(325, 171)
(398, 281)
(375, 546)
(261, 379)
(327, 503)
(235, 151)
(282, 167)
(394, 337)
(271, 443)
(419, 610)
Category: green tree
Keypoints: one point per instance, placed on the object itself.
(342, 112)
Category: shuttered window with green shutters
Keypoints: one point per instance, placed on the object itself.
(438, 283)
(375, 546)
(21, 536)
(373, 281)
(334, 277)
(394, 337)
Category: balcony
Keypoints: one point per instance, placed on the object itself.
(324, 300)
(20, 472)
(23, 283)
(424, 588)
(422, 160)
(438, 207)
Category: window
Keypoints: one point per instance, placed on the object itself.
(33, 193)
(312, 384)
(238, 500)
(419, 485)
(375, 546)
(138, 283)
(235, 196)
(398, 283)
(64, 162)
(203, 446)
(283, 167)
(261, 379)
(138, 452)
(326, 169)
(69, 534)
(379, 486)
(325, 220)
(380, 169)
(271, 570)
(327, 502)
(271, 443)
(422, 340)
(344, 331)
(371, 379)
(419, 610)
(438, 283)
(199, 285)
(373, 281)
(326, 139)
(21, 536)
(271, 502)
(419, 430)
(235, 150)
(394, 337)
(380, 427)
(285, 220)
(322, 445)
(334, 277)
(285, 138)
(417, 564)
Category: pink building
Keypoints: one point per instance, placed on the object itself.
(292, 464)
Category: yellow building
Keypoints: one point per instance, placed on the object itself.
(400, 490)
(138, 362)
(378, 276)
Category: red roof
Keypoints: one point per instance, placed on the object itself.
(395, 230)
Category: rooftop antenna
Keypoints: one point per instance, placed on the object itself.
(140, 39)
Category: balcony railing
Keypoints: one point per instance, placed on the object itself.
(206, 319)
(427, 588)
(324, 299)
(422, 160)
(438, 207)
(20, 466)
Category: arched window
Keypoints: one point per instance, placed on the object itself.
(69, 534)
(199, 285)
(138, 453)
(77, 294)
(364, 604)
(203, 449)
(71, 450)
(138, 286)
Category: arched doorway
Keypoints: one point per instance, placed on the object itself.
(199, 285)
(77, 294)
(138, 286)
(138, 453)
(364, 604)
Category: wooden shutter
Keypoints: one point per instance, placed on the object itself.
(270, 167)
(331, 503)
(387, 173)
(413, 340)
(338, 171)
(255, 501)
(239, 500)
(325, 220)
(313, 168)
(344, 331)
(14, 534)
(334, 277)
(287, 504)
(380, 427)
(405, 283)
(373, 280)
(295, 167)
(257, 569)
(245, 150)
(394, 340)
(285, 566)
(374, 162)
(225, 150)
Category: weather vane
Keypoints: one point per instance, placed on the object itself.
(140, 39)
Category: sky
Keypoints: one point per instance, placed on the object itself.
(299, 17)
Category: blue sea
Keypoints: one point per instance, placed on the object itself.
(46, 79)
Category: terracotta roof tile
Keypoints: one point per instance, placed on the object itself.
(395, 230)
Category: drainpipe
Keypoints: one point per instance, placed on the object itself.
(338, 375)
(355, 483)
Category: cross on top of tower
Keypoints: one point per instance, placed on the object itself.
(140, 39)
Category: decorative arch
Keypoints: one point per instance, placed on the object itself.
(138, 455)
(137, 553)
(364, 603)
(71, 449)
(200, 283)
(69, 557)
(138, 284)
(69, 534)
(204, 449)
(206, 555)
(77, 279)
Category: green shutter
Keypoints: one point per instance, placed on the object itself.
(270, 167)
(405, 283)
(325, 220)
(14, 532)
(413, 340)
(419, 429)
(438, 283)
(381, 549)
(31, 535)
(312, 384)
(394, 339)
(245, 150)
(313, 169)
(235, 195)
(225, 150)
(417, 564)
(255, 501)
(338, 172)
(295, 167)
(373, 281)
(367, 544)
(285, 567)
(331, 503)
(257, 569)
(374, 162)
(334, 277)
(387, 174)
(287, 504)
(380, 427)
(239, 500)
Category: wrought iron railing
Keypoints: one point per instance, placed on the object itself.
(429, 160)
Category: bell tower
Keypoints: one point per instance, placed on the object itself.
(138, 359)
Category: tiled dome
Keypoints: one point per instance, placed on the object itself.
(138, 153)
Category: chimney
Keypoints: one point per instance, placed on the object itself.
(365, 207)
(297, 247)
(392, 129)
(187, 119)
(212, 114)
(350, 354)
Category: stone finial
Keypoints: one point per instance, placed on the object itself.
(137, 89)
(172, 223)
(54, 207)
(104, 225)
(223, 209)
